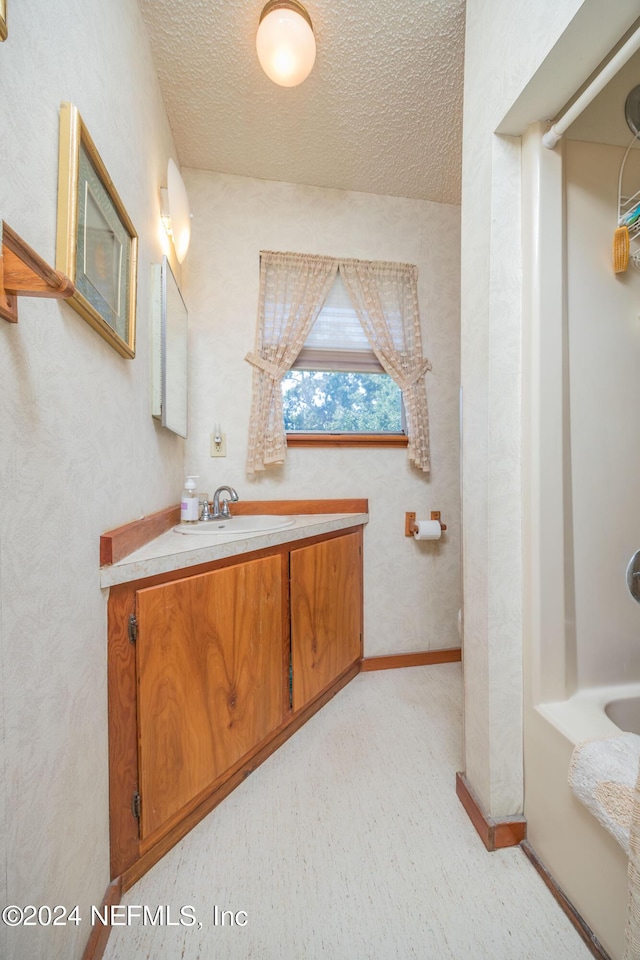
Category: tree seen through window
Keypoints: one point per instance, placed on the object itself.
(339, 401)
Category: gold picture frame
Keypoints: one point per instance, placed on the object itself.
(97, 245)
(3, 19)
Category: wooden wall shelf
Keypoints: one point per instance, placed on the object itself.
(23, 273)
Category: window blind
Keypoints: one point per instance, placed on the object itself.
(336, 340)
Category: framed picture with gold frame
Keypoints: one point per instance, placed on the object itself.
(3, 19)
(97, 245)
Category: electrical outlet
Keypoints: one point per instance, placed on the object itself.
(218, 444)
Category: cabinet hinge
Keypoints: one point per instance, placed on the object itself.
(133, 628)
(136, 806)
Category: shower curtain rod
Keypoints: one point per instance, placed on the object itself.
(626, 51)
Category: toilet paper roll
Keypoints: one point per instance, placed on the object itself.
(427, 530)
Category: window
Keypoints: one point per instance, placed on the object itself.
(337, 390)
(295, 289)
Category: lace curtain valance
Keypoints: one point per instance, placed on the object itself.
(293, 289)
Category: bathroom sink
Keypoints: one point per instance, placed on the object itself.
(257, 523)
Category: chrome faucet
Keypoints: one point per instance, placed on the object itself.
(222, 512)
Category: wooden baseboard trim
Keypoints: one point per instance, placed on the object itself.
(585, 932)
(495, 834)
(97, 942)
(422, 658)
(133, 873)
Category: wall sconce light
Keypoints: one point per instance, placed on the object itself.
(285, 42)
(174, 210)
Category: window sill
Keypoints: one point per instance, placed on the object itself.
(347, 440)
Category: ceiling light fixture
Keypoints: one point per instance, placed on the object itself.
(175, 211)
(285, 42)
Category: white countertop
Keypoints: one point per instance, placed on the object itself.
(177, 551)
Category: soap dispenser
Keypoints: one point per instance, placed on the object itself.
(189, 503)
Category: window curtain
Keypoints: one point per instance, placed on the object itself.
(385, 297)
(293, 289)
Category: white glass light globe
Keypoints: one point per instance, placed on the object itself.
(286, 47)
(178, 211)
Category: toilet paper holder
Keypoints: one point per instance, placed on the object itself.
(410, 522)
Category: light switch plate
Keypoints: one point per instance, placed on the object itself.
(219, 449)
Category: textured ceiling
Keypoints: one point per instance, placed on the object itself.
(381, 111)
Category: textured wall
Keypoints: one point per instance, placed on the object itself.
(412, 590)
(491, 393)
(506, 43)
(79, 454)
(500, 57)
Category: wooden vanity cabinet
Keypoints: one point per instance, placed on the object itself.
(211, 686)
(210, 670)
(326, 613)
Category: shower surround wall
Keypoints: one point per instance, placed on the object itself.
(80, 454)
(412, 589)
(604, 376)
(594, 367)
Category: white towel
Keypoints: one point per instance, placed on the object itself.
(602, 775)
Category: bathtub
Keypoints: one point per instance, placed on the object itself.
(596, 712)
(625, 713)
(586, 861)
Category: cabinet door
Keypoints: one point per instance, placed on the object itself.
(211, 679)
(326, 613)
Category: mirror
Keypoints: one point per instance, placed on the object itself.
(170, 335)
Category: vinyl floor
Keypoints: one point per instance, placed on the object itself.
(350, 843)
